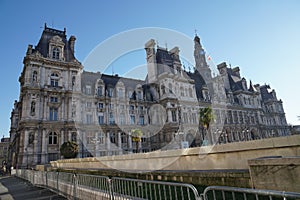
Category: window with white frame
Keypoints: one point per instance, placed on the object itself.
(89, 119)
(53, 114)
(54, 78)
(56, 53)
(88, 89)
(52, 138)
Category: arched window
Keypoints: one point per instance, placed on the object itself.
(52, 138)
(34, 76)
(54, 80)
(55, 53)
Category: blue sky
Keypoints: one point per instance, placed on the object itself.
(261, 37)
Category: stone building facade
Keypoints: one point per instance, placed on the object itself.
(59, 101)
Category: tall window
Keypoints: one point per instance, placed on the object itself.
(54, 80)
(34, 76)
(122, 119)
(120, 92)
(52, 138)
(141, 120)
(89, 119)
(132, 119)
(53, 114)
(130, 94)
(99, 91)
(111, 118)
(88, 89)
(55, 53)
(101, 119)
(110, 92)
(32, 108)
(174, 118)
(139, 95)
(74, 137)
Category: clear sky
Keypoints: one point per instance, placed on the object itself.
(262, 37)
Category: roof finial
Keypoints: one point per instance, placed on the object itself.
(45, 25)
(195, 32)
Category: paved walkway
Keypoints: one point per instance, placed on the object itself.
(15, 188)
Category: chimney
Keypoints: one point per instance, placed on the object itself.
(72, 43)
(236, 71)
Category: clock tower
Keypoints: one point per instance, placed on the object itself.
(200, 60)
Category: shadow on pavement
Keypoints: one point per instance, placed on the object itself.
(18, 189)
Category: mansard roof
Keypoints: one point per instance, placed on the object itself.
(199, 83)
(267, 93)
(43, 45)
(90, 78)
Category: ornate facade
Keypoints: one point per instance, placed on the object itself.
(59, 101)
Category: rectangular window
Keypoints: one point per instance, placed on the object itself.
(100, 105)
(88, 104)
(53, 115)
(139, 95)
(122, 119)
(54, 82)
(88, 90)
(111, 118)
(185, 118)
(130, 95)
(141, 120)
(89, 119)
(101, 119)
(53, 99)
(110, 92)
(99, 91)
(90, 138)
(174, 117)
(194, 118)
(120, 93)
(132, 119)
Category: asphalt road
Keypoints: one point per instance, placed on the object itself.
(15, 188)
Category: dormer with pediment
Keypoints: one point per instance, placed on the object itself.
(56, 48)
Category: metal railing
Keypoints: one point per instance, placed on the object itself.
(83, 186)
(223, 192)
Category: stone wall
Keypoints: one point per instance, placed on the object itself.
(218, 157)
(276, 173)
(231, 156)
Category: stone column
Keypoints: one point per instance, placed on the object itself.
(120, 143)
(130, 142)
(44, 147)
(62, 138)
(35, 148)
(97, 144)
(108, 143)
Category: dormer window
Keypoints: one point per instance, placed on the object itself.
(55, 53)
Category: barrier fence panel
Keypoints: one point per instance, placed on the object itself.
(233, 193)
(83, 186)
(92, 187)
(124, 188)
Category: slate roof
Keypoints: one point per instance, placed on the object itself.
(266, 94)
(90, 78)
(43, 45)
(199, 83)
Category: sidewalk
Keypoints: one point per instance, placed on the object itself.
(18, 189)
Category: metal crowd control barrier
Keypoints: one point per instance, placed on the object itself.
(223, 192)
(82, 186)
(143, 189)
